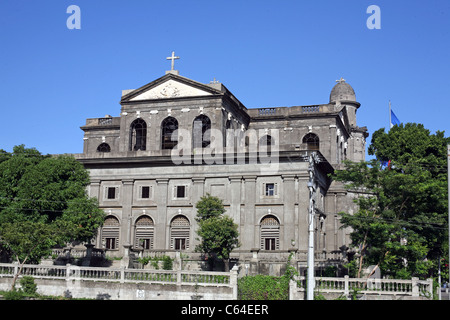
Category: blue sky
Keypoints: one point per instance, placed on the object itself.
(268, 53)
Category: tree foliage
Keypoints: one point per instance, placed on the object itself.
(209, 207)
(43, 203)
(401, 224)
(218, 233)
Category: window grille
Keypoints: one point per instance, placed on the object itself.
(138, 135)
(179, 233)
(270, 233)
(312, 141)
(168, 136)
(110, 233)
(144, 233)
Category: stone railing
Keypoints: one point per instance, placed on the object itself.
(124, 284)
(76, 253)
(347, 286)
(267, 111)
(71, 272)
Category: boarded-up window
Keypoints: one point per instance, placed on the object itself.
(110, 233)
(144, 233)
(270, 233)
(179, 233)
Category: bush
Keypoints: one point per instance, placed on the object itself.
(28, 285)
(261, 287)
(167, 263)
(14, 295)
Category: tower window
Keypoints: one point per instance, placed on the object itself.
(202, 131)
(312, 141)
(138, 135)
(168, 136)
(104, 147)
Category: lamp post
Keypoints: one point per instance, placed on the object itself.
(312, 186)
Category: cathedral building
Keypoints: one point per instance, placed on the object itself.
(177, 140)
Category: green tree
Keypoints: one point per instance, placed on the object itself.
(218, 233)
(401, 222)
(43, 203)
(209, 207)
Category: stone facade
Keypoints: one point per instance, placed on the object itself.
(177, 139)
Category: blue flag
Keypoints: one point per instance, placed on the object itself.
(394, 119)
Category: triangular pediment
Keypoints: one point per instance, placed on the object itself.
(168, 87)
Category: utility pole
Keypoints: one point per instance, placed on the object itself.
(312, 186)
(448, 178)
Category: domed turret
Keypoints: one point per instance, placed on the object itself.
(342, 91)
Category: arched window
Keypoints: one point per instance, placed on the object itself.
(202, 131)
(104, 147)
(144, 233)
(265, 143)
(179, 233)
(110, 233)
(138, 135)
(270, 233)
(312, 141)
(168, 138)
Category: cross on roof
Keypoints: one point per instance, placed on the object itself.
(173, 58)
(340, 80)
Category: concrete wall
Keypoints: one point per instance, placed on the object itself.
(103, 290)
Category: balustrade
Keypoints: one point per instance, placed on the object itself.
(122, 275)
(346, 285)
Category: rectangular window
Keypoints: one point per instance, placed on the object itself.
(145, 243)
(270, 189)
(111, 193)
(145, 192)
(180, 192)
(180, 243)
(269, 244)
(110, 243)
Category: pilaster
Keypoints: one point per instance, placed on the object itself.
(161, 223)
(248, 224)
